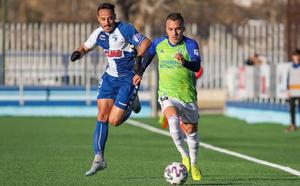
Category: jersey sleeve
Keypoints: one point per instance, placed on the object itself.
(152, 49)
(193, 50)
(131, 34)
(149, 56)
(91, 42)
(150, 53)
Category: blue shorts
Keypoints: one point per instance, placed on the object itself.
(121, 89)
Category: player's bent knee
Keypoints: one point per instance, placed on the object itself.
(115, 118)
(189, 129)
(102, 117)
(114, 122)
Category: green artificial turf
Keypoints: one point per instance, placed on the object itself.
(58, 151)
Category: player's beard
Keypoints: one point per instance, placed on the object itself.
(108, 28)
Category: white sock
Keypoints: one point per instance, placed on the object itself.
(193, 143)
(177, 135)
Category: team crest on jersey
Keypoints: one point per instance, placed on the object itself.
(162, 51)
(114, 37)
(196, 52)
(136, 37)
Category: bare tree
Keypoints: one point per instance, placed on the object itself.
(203, 12)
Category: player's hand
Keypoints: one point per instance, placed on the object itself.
(75, 55)
(180, 58)
(137, 79)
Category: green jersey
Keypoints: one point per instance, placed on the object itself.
(175, 80)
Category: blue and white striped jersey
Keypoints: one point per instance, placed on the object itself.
(118, 47)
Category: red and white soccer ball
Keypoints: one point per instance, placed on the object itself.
(176, 173)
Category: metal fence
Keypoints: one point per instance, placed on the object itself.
(38, 53)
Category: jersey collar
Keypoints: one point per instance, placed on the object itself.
(183, 39)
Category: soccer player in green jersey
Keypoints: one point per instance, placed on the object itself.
(178, 60)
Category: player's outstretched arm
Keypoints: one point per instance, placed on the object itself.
(138, 68)
(144, 46)
(77, 54)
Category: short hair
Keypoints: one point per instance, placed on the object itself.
(175, 16)
(106, 6)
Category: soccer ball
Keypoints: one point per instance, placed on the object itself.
(176, 173)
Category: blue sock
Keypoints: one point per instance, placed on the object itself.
(100, 137)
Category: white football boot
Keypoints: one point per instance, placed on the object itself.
(98, 165)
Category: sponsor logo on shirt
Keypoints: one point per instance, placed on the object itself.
(170, 64)
(114, 53)
(136, 37)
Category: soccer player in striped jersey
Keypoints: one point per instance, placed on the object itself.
(178, 60)
(119, 85)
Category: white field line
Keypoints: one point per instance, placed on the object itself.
(218, 149)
